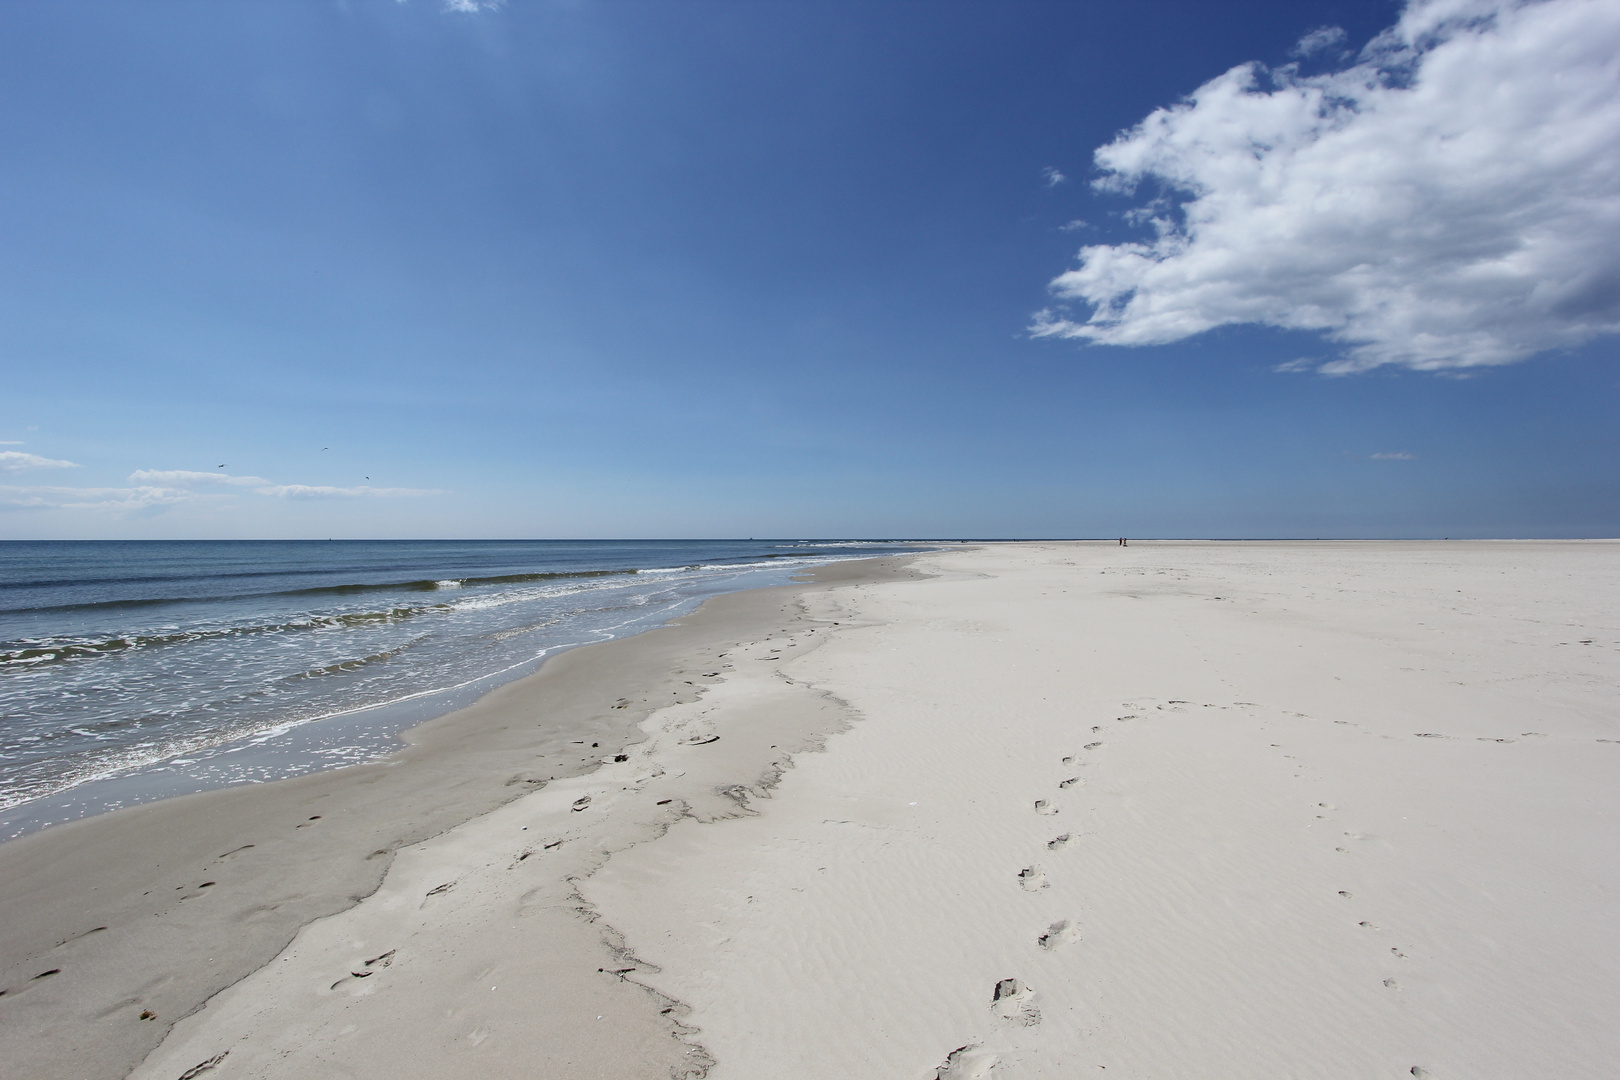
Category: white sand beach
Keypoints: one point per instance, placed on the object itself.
(1172, 810)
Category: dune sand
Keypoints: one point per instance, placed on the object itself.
(1331, 810)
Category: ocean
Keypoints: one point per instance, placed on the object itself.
(132, 670)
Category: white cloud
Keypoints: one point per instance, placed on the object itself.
(70, 498)
(10, 442)
(185, 478)
(1052, 177)
(472, 7)
(17, 461)
(307, 491)
(153, 488)
(1399, 455)
(1450, 200)
(1322, 39)
(1074, 226)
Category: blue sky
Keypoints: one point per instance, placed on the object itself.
(746, 268)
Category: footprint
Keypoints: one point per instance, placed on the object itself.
(1044, 807)
(1032, 878)
(261, 911)
(1392, 984)
(203, 1066)
(967, 1063)
(1070, 782)
(1015, 1000)
(1091, 746)
(1058, 842)
(1061, 933)
(365, 971)
(77, 937)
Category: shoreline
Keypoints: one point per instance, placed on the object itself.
(342, 733)
(218, 882)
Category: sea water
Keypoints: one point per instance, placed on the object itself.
(131, 670)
